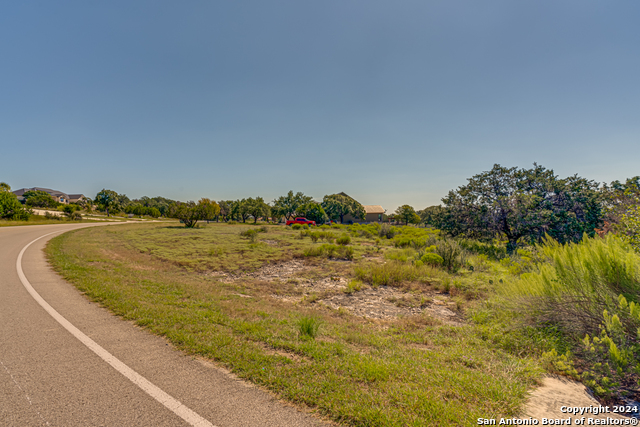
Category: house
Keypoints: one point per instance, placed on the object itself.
(373, 213)
(76, 198)
(58, 196)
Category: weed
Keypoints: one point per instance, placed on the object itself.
(308, 327)
(343, 240)
(353, 286)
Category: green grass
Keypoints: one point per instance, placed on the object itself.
(358, 372)
(40, 220)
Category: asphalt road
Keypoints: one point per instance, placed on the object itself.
(110, 373)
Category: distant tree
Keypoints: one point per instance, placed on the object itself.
(240, 210)
(257, 208)
(338, 205)
(407, 214)
(277, 213)
(160, 203)
(4, 187)
(39, 199)
(110, 201)
(190, 212)
(314, 212)
(209, 208)
(226, 209)
(288, 205)
(618, 200)
(432, 216)
(154, 212)
(11, 208)
(523, 204)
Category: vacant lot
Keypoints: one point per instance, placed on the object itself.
(356, 331)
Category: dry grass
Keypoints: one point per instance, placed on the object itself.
(357, 371)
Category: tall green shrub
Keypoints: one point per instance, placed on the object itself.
(578, 282)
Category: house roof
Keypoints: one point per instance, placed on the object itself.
(54, 193)
(373, 209)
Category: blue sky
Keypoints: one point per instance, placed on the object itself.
(391, 102)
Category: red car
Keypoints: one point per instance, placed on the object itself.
(301, 221)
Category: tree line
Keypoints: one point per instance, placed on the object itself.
(333, 207)
(515, 204)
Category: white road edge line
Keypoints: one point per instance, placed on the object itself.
(152, 390)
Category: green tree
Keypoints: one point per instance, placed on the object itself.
(4, 187)
(314, 212)
(240, 210)
(407, 214)
(226, 207)
(209, 209)
(39, 199)
(257, 208)
(190, 212)
(617, 199)
(523, 204)
(111, 202)
(338, 205)
(288, 205)
(432, 216)
(11, 208)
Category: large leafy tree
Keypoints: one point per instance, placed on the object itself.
(257, 208)
(314, 212)
(190, 212)
(39, 199)
(288, 205)
(240, 210)
(338, 205)
(523, 204)
(110, 201)
(407, 214)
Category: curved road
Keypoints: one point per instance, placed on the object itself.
(49, 377)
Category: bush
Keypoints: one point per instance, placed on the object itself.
(386, 230)
(495, 250)
(297, 227)
(577, 282)
(11, 208)
(389, 274)
(251, 234)
(331, 251)
(452, 254)
(343, 240)
(432, 259)
(49, 215)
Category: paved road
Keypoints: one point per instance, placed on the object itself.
(48, 377)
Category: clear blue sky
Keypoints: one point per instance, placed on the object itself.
(392, 102)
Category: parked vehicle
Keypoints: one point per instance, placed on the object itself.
(301, 221)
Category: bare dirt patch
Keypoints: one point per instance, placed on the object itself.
(314, 286)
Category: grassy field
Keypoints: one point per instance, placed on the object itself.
(212, 292)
